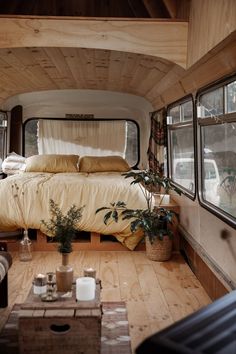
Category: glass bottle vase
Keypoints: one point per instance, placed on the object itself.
(64, 275)
(25, 251)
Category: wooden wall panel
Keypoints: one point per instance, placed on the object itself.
(213, 286)
(210, 22)
(218, 63)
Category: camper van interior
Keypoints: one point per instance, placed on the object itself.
(92, 90)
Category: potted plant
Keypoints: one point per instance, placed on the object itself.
(155, 220)
(63, 228)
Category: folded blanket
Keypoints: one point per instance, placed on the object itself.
(13, 164)
(13, 157)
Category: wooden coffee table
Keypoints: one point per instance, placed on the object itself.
(65, 325)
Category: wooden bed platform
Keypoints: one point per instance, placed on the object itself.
(95, 242)
(89, 241)
(86, 241)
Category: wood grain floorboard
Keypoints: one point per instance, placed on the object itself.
(156, 294)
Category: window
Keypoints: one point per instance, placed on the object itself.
(181, 145)
(3, 137)
(217, 135)
(83, 137)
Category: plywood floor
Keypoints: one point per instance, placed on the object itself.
(156, 294)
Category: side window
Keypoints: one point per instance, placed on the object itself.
(3, 137)
(217, 137)
(181, 145)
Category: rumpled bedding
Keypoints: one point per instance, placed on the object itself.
(24, 200)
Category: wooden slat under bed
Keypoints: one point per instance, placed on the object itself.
(94, 242)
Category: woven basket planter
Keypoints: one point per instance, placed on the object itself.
(159, 250)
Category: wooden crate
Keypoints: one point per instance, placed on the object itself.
(64, 326)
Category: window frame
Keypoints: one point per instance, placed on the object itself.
(4, 129)
(208, 121)
(176, 126)
(135, 166)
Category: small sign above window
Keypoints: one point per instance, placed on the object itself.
(79, 116)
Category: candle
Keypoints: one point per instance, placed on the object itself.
(85, 288)
(40, 284)
(90, 272)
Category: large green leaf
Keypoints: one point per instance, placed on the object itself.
(107, 217)
(100, 209)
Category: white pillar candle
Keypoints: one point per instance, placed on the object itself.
(85, 289)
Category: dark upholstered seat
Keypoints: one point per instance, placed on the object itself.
(5, 264)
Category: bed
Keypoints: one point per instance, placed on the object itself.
(93, 183)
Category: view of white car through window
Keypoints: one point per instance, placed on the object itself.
(217, 122)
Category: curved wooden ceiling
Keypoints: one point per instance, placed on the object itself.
(28, 69)
(36, 68)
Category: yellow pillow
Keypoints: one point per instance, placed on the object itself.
(103, 164)
(52, 163)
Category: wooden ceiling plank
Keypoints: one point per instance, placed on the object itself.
(64, 77)
(15, 72)
(171, 7)
(21, 82)
(152, 77)
(172, 76)
(44, 61)
(87, 59)
(13, 82)
(116, 67)
(44, 66)
(151, 70)
(91, 8)
(183, 9)
(72, 59)
(130, 66)
(164, 39)
(25, 57)
(153, 8)
(4, 94)
(138, 9)
(8, 81)
(102, 67)
(30, 73)
(138, 77)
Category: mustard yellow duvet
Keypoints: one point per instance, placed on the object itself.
(24, 200)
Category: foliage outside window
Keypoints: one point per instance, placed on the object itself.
(181, 145)
(108, 127)
(217, 135)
